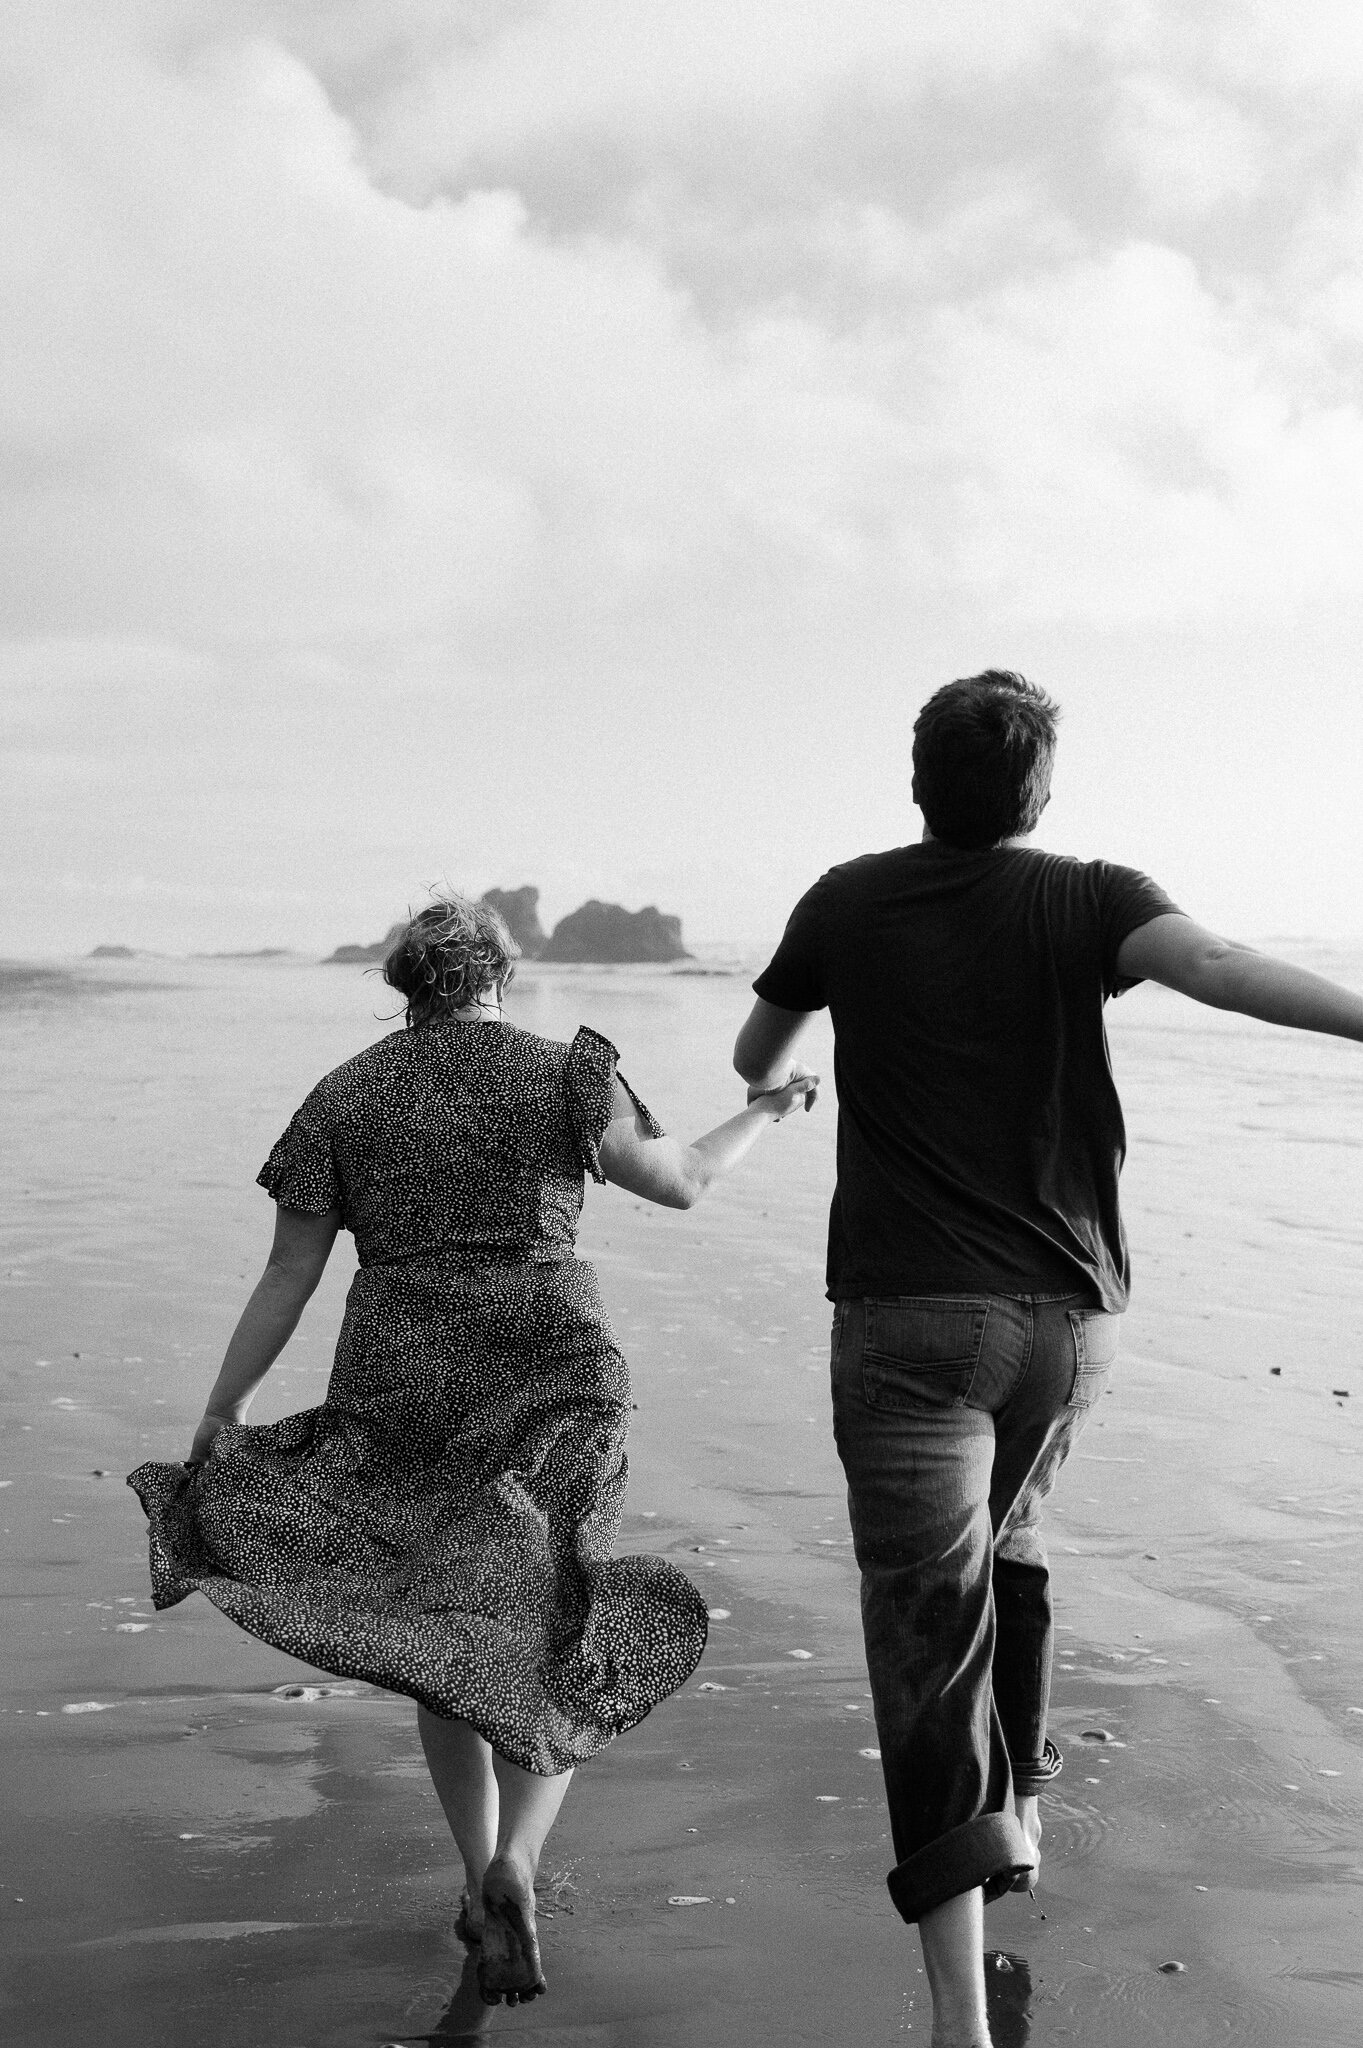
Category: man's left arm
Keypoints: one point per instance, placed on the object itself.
(1183, 956)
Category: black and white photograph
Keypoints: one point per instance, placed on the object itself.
(681, 1024)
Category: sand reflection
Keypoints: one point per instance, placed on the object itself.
(465, 2018)
(1008, 1988)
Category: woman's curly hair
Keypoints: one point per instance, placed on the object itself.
(450, 955)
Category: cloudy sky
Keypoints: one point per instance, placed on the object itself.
(565, 440)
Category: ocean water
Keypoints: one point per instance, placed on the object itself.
(1206, 1538)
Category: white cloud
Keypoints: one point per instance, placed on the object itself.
(738, 352)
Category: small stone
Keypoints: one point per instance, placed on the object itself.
(88, 1707)
(835, 1798)
(1201, 1887)
(708, 1685)
(683, 1899)
(1275, 1372)
(1095, 1735)
(130, 1628)
(871, 1755)
(718, 1613)
(1340, 1393)
(100, 1472)
(1173, 1969)
(805, 1656)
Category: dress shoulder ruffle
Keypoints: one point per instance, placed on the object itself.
(593, 1070)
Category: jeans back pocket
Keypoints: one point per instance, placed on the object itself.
(922, 1348)
(1096, 1337)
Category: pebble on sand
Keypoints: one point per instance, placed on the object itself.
(1096, 1735)
(130, 1628)
(708, 1685)
(1173, 1969)
(829, 1798)
(682, 1899)
(718, 1613)
(89, 1706)
(314, 1692)
(805, 1656)
(871, 1755)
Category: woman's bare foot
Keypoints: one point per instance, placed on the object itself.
(468, 1921)
(509, 1965)
(1028, 1811)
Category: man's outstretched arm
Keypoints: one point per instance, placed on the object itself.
(1228, 976)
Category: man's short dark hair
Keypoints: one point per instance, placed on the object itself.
(983, 749)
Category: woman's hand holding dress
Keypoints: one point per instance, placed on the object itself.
(298, 1257)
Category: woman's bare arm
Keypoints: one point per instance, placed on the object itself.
(298, 1257)
(1183, 956)
(664, 1170)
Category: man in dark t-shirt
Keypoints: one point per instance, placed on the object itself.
(976, 1259)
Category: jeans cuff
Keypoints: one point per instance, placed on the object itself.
(989, 1851)
(1030, 1776)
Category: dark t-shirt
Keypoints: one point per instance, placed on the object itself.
(980, 1137)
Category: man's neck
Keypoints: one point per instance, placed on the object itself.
(929, 838)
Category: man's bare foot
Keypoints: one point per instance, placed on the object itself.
(1028, 1811)
(509, 1966)
(468, 1921)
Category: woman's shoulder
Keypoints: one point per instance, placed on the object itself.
(371, 1064)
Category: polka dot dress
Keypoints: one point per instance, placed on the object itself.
(442, 1524)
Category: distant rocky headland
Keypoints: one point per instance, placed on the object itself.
(596, 933)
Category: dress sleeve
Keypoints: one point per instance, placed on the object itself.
(300, 1172)
(592, 1074)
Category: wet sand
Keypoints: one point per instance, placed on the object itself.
(194, 1857)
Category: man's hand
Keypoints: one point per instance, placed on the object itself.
(794, 1072)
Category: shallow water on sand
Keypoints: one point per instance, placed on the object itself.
(193, 1856)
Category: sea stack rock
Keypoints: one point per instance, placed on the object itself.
(520, 908)
(364, 956)
(608, 932)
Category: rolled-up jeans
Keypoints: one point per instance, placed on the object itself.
(952, 1416)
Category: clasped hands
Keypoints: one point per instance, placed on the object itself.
(799, 1085)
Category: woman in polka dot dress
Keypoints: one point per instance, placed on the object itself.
(442, 1524)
